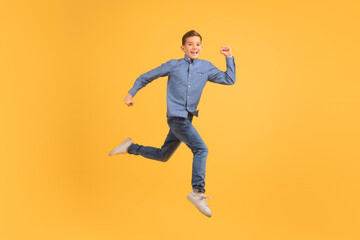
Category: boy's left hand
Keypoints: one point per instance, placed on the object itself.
(226, 50)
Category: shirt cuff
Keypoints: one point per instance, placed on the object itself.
(230, 59)
(132, 92)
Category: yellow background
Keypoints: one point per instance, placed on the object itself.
(283, 141)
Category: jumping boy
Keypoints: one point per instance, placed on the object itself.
(186, 79)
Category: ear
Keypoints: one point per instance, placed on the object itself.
(182, 47)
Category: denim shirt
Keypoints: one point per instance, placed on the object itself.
(186, 81)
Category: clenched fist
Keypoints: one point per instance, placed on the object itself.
(129, 100)
(226, 50)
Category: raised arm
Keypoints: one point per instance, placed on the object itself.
(229, 76)
(145, 78)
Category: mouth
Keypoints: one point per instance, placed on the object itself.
(194, 53)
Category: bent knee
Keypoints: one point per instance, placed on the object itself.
(164, 158)
(203, 150)
(206, 150)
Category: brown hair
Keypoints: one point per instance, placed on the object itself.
(190, 33)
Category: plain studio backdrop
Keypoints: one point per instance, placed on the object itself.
(283, 141)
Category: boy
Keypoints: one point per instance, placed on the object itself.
(187, 78)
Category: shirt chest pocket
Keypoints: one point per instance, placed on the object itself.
(201, 76)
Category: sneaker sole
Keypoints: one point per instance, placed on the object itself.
(118, 149)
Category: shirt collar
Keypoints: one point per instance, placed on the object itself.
(187, 58)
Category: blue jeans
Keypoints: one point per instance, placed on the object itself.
(181, 130)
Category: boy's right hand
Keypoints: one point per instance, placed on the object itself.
(129, 100)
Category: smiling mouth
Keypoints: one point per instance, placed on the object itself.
(194, 52)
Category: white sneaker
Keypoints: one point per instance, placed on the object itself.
(122, 148)
(199, 200)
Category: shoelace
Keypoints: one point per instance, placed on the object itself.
(205, 196)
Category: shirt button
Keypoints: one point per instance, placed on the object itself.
(189, 85)
(190, 74)
(188, 96)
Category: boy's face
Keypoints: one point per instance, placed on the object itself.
(192, 47)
